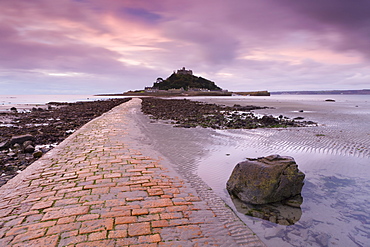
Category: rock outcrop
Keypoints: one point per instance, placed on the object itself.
(189, 113)
(266, 180)
(21, 139)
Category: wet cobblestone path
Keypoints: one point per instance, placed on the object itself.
(94, 189)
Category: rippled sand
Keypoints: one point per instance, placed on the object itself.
(335, 156)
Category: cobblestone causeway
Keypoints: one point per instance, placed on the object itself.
(95, 189)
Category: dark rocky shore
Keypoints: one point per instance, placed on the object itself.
(187, 113)
(25, 137)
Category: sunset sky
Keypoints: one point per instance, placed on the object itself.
(111, 46)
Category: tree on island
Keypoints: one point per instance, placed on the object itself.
(185, 81)
(159, 80)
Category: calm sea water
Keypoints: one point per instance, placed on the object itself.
(43, 99)
(26, 102)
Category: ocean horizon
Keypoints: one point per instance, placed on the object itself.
(46, 98)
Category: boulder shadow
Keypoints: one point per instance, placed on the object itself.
(287, 212)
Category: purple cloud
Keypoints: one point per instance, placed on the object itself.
(142, 14)
(240, 44)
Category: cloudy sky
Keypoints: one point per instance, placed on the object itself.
(109, 46)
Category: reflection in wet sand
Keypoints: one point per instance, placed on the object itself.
(335, 157)
(282, 213)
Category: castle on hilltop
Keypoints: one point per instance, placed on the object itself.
(182, 82)
(184, 71)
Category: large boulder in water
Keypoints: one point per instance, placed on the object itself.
(265, 180)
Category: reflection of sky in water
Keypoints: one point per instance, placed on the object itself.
(335, 194)
(334, 156)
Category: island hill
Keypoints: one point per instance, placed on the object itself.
(184, 83)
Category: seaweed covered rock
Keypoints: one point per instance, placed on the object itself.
(266, 180)
(187, 113)
(26, 136)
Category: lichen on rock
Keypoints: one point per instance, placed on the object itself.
(266, 180)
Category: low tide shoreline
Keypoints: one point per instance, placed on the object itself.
(334, 156)
(42, 127)
(113, 192)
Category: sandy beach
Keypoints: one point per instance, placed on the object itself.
(334, 156)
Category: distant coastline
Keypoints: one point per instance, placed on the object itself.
(167, 93)
(352, 92)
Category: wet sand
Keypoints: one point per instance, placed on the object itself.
(334, 156)
(97, 189)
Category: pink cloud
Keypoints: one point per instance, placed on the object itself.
(129, 42)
